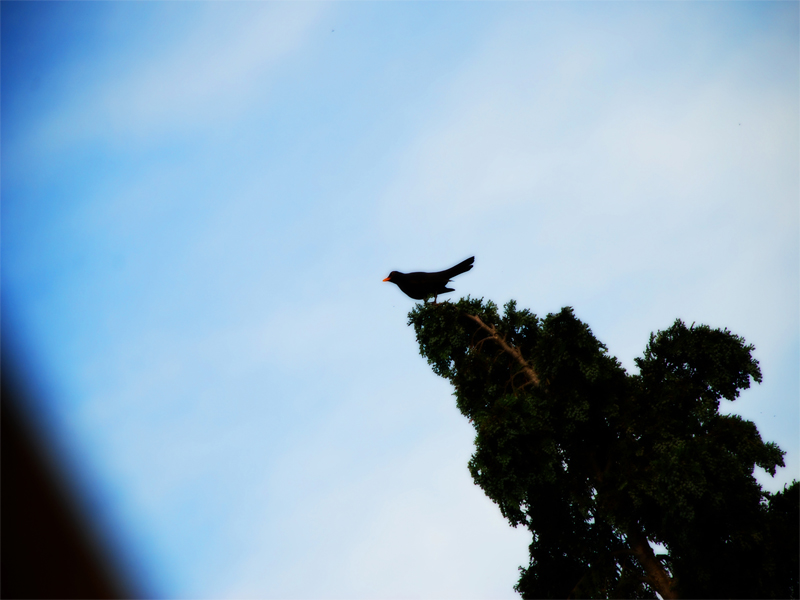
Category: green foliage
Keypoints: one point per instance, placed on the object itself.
(585, 455)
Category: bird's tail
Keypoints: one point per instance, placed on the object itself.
(461, 267)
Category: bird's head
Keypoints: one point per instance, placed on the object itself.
(392, 274)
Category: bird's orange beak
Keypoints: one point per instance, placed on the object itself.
(388, 278)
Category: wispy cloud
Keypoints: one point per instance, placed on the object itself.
(225, 63)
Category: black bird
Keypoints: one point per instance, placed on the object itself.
(421, 286)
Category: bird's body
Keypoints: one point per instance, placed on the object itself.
(421, 286)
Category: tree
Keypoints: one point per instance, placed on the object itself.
(599, 464)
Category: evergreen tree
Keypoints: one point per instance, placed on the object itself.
(600, 464)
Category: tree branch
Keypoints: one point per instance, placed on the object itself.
(507, 348)
(657, 575)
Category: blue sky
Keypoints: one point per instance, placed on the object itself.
(199, 202)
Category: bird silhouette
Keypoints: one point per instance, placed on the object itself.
(421, 286)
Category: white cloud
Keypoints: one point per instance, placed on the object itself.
(222, 67)
(413, 526)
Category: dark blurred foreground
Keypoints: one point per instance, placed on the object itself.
(46, 548)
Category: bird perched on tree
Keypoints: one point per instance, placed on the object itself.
(421, 286)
